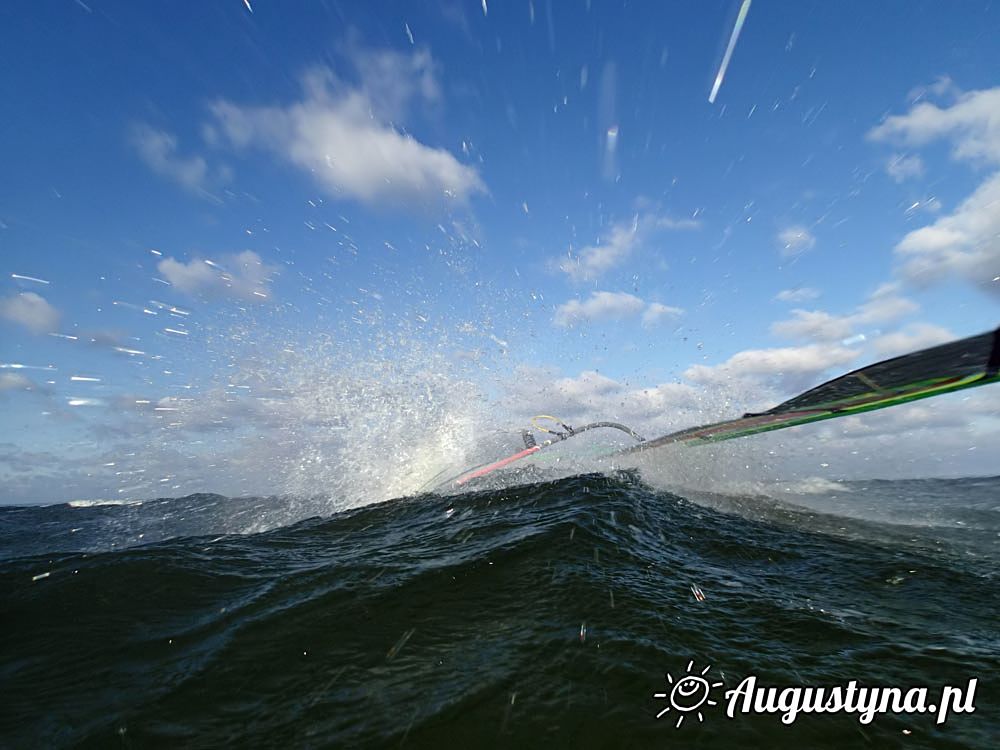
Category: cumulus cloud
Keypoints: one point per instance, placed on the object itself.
(657, 312)
(795, 240)
(902, 167)
(921, 415)
(14, 381)
(942, 87)
(971, 123)
(814, 325)
(391, 80)
(885, 305)
(591, 394)
(601, 306)
(962, 414)
(799, 294)
(965, 243)
(594, 260)
(912, 338)
(761, 378)
(619, 243)
(793, 364)
(342, 135)
(243, 276)
(158, 150)
(30, 310)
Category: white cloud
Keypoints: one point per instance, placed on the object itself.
(942, 87)
(921, 415)
(799, 294)
(588, 385)
(31, 311)
(813, 325)
(602, 306)
(243, 276)
(901, 167)
(391, 80)
(594, 260)
(962, 413)
(790, 363)
(158, 149)
(591, 395)
(912, 338)
(795, 240)
(343, 137)
(965, 243)
(656, 312)
(14, 381)
(972, 124)
(885, 305)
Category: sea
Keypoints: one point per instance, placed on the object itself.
(554, 614)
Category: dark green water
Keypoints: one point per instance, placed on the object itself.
(543, 616)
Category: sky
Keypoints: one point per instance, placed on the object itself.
(323, 248)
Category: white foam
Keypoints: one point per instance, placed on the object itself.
(97, 503)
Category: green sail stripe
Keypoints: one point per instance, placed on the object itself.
(967, 382)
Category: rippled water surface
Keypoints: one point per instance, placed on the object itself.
(539, 616)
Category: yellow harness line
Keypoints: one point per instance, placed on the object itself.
(541, 428)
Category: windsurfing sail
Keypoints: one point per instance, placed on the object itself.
(954, 366)
(965, 363)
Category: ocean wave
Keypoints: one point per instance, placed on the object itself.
(540, 614)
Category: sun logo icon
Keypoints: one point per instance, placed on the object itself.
(688, 694)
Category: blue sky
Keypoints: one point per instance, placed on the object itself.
(244, 246)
